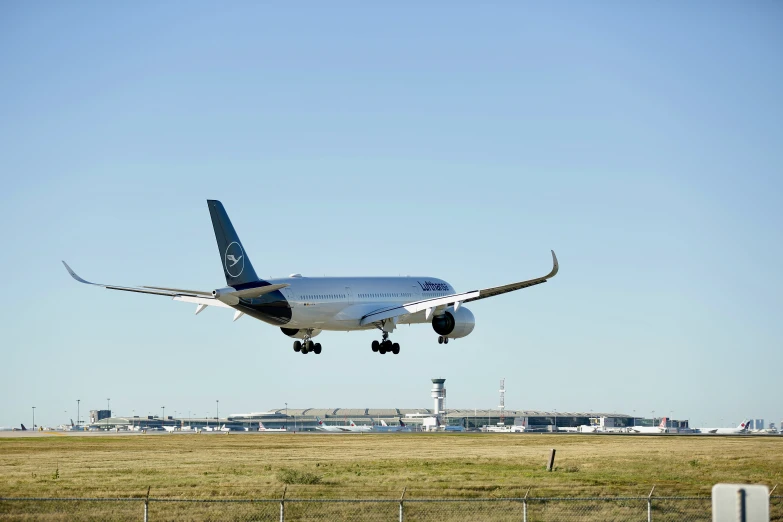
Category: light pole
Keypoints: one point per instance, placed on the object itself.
(634, 418)
(653, 420)
(78, 420)
(33, 418)
(286, 416)
(217, 412)
(163, 415)
(108, 405)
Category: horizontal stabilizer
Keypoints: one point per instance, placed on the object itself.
(230, 296)
(207, 301)
(259, 291)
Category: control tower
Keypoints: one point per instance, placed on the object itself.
(439, 394)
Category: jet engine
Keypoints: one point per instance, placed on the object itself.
(298, 334)
(454, 324)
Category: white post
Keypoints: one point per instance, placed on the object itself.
(401, 508)
(146, 505)
(282, 505)
(649, 505)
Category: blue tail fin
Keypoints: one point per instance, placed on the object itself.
(236, 264)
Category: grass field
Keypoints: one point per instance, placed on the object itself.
(380, 465)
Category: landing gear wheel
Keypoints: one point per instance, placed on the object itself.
(387, 344)
(382, 349)
(304, 349)
(376, 346)
(440, 339)
(317, 348)
(395, 348)
(297, 346)
(445, 340)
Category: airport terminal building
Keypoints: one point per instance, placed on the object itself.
(306, 419)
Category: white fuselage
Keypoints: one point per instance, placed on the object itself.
(339, 303)
(722, 431)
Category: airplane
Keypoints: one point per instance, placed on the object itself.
(14, 429)
(353, 427)
(227, 429)
(742, 428)
(261, 427)
(325, 427)
(385, 428)
(661, 428)
(222, 428)
(73, 427)
(303, 307)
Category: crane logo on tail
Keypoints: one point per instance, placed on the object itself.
(234, 259)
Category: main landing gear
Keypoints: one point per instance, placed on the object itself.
(385, 345)
(307, 346)
(443, 339)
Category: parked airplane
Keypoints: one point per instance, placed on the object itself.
(661, 428)
(742, 428)
(74, 427)
(261, 427)
(353, 427)
(325, 427)
(302, 307)
(14, 429)
(385, 428)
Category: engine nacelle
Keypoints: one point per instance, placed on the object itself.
(223, 292)
(453, 324)
(298, 334)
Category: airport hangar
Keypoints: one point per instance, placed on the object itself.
(295, 419)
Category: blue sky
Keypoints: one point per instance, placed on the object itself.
(641, 142)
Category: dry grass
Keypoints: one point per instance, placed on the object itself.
(380, 465)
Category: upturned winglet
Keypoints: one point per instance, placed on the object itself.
(75, 276)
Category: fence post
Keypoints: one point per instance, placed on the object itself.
(282, 505)
(649, 505)
(147, 505)
(524, 505)
(402, 515)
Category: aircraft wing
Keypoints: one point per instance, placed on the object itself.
(202, 299)
(456, 300)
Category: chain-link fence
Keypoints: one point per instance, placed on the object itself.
(532, 509)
